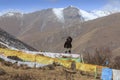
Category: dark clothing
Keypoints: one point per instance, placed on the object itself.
(68, 43)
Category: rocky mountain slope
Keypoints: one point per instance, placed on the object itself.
(101, 32)
(8, 41)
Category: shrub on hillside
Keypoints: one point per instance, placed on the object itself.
(2, 72)
(101, 56)
(22, 77)
(116, 63)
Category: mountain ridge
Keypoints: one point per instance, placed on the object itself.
(59, 12)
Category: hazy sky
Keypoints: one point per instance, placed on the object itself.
(33, 5)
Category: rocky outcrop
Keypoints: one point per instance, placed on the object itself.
(9, 41)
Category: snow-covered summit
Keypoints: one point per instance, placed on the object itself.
(86, 15)
(96, 14)
(100, 13)
(9, 14)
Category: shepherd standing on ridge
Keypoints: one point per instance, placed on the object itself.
(68, 44)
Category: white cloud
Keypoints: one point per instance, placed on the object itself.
(112, 5)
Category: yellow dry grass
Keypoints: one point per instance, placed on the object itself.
(40, 74)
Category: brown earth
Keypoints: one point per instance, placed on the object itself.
(58, 73)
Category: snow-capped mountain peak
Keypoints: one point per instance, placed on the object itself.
(100, 13)
(59, 12)
(9, 14)
(96, 14)
(86, 15)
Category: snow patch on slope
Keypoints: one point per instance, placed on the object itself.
(4, 44)
(52, 55)
(29, 64)
(59, 13)
(10, 47)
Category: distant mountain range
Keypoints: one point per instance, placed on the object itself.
(47, 29)
(19, 24)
